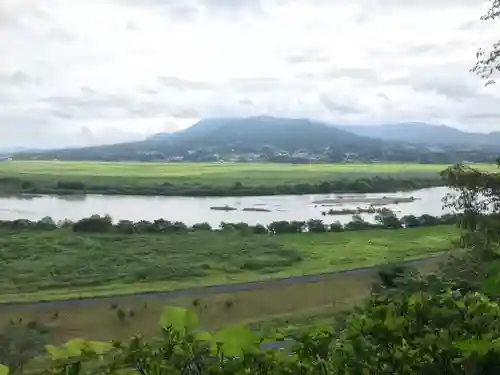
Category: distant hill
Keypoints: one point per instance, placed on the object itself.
(285, 133)
(421, 132)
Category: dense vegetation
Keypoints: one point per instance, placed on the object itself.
(384, 219)
(410, 325)
(25, 185)
(279, 140)
(62, 263)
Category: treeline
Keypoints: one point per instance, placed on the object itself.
(385, 219)
(361, 185)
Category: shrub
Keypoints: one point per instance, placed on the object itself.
(202, 226)
(316, 226)
(229, 303)
(424, 333)
(121, 315)
(95, 223)
(336, 227)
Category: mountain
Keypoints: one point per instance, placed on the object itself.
(421, 132)
(224, 136)
(285, 133)
(200, 129)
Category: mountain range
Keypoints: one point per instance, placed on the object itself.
(421, 132)
(208, 130)
(209, 139)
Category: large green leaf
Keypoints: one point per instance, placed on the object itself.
(4, 370)
(476, 346)
(234, 341)
(74, 347)
(56, 352)
(99, 347)
(179, 319)
(204, 336)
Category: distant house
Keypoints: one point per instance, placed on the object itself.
(177, 158)
(350, 156)
(302, 155)
(435, 149)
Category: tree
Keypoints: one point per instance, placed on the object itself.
(476, 197)
(488, 60)
(20, 343)
(424, 333)
(388, 219)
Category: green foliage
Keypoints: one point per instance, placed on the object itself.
(385, 219)
(424, 333)
(450, 332)
(388, 219)
(487, 64)
(76, 347)
(476, 197)
(179, 319)
(66, 264)
(19, 343)
(4, 370)
(234, 341)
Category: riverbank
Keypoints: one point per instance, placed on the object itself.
(212, 179)
(60, 264)
(257, 304)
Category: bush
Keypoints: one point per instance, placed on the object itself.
(336, 227)
(410, 221)
(424, 333)
(95, 223)
(20, 343)
(316, 226)
(125, 227)
(202, 226)
(387, 219)
(259, 229)
(389, 275)
(70, 185)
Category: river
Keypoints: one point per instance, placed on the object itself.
(191, 210)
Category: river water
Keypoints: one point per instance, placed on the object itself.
(191, 210)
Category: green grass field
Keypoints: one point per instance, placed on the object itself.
(62, 264)
(209, 173)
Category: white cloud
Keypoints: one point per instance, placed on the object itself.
(79, 72)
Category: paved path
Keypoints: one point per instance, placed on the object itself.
(217, 289)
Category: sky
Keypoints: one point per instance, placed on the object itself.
(76, 72)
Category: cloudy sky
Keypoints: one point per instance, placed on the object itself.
(75, 72)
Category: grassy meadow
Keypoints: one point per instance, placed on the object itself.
(248, 174)
(60, 264)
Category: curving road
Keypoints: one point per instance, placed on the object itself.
(217, 289)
